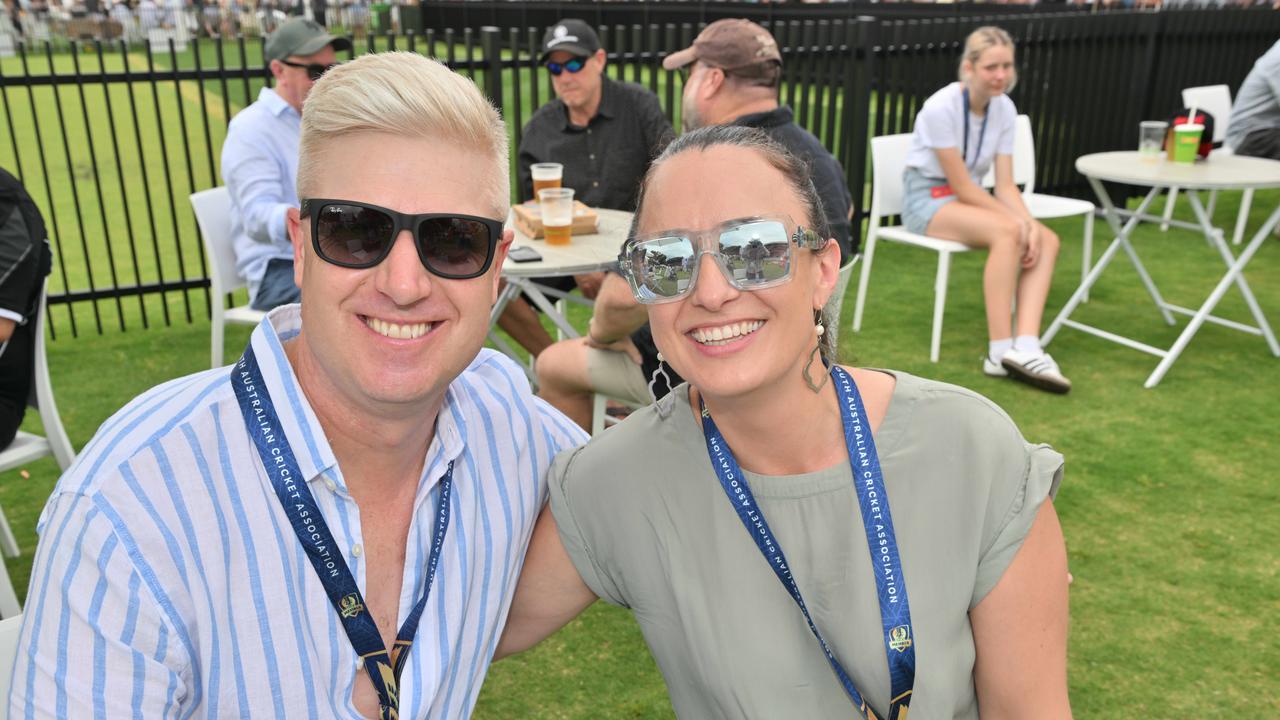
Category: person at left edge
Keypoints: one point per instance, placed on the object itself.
(24, 262)
(604, 132)
(260, 159)
(169, 581)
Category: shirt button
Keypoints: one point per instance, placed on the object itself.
(357, 550)
(595, 183)
(329, 483)
(588, 131)
(592, 156)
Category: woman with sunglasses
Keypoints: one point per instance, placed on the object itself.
(960, 133)
(798, 538)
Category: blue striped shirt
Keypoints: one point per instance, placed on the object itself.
(169, 583)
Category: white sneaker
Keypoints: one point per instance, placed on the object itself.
(993, 368)
(1036, 370)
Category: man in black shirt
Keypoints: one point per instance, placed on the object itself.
(24, 261)
(604, 132)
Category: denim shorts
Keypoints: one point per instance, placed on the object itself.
(918, 203)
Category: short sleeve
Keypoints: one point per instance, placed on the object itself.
(571, 506)
(936, 126)
(1009, 116)
(19, 266)
(1041, 475)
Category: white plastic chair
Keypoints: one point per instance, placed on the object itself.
(1215, 100)
(27, 447)
(888, 160)
(600, 418)
(1045, 207)
(10, 632)
(213, 215)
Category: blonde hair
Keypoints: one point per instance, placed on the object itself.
(978, 42)
(404, 94)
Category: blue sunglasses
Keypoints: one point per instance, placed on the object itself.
(573, 66)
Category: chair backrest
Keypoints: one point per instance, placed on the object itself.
(10, 632)
(213, 215)
(1215, 100)
(888, 161)
(1024, 157)
(40, 399)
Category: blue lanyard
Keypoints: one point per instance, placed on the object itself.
(982, 133)
(300, 506)
(891, 588)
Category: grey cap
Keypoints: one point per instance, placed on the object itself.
(300, 36)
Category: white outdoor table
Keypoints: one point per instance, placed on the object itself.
(585, 253)
(1218, 172)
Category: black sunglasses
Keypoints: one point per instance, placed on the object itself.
(359, 235)
(574, 65)
(314, 70)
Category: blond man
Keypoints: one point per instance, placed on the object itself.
(334, 526)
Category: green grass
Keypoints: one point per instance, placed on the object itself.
(1169, 505)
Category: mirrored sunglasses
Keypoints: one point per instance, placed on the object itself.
(574, 65)
(314, 70)
(752, 254)
(359, 235)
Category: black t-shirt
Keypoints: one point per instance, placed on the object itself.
(604, 161)
(24, 262)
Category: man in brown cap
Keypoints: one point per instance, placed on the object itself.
(734, 69)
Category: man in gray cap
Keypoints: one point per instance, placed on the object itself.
(260, 159)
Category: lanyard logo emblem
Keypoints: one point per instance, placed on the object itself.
(900, 638)
(350, 606)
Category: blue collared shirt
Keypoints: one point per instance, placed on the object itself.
(168, 582)
(260, 169)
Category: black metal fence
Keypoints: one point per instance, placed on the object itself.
(110, 139)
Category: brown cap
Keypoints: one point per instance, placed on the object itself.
(730, 44)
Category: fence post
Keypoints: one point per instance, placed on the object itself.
(491, 56)
(1144, 79)
(854, 135)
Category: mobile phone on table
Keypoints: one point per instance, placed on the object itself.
(524, 253)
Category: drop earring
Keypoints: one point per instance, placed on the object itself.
(815, 386)
(659, 372)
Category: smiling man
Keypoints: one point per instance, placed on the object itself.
(250, 542)
(260, 159)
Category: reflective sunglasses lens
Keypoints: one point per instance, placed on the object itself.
(575, 65)
(455, 247)
(663, 267)
(756, 252)
(555, 68)
(352, 235)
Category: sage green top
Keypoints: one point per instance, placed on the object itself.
(648, 526)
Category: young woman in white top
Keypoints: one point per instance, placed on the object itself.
(959, 133)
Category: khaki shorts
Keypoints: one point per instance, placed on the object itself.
(616, 375)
